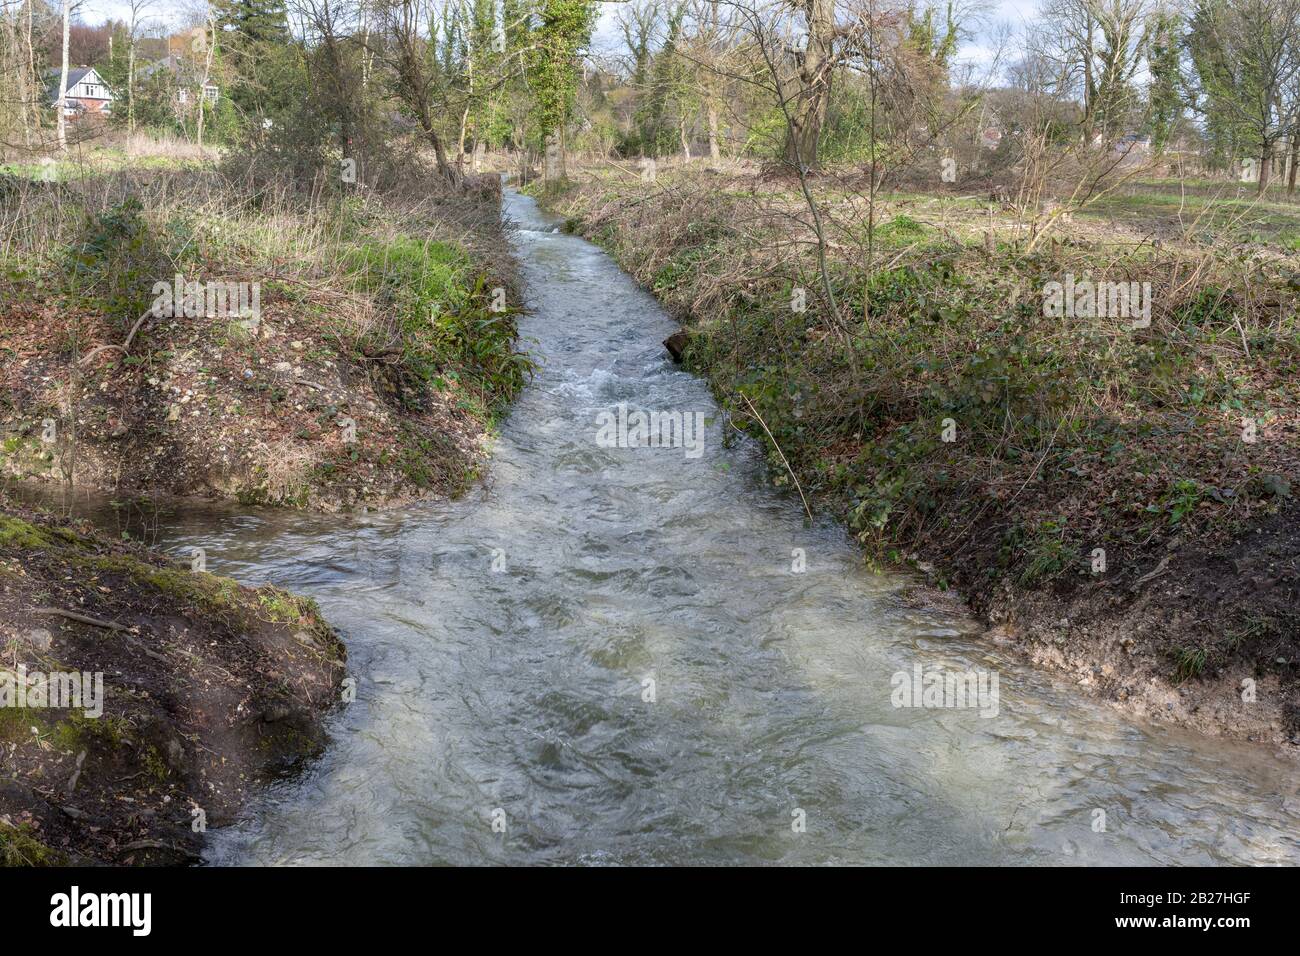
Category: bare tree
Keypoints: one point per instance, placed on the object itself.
(1254, 46)
(137, 8)
(712, 45)
(1097, 47)
(63, 78)
(404, 47)
(808, 83)
(210, 47)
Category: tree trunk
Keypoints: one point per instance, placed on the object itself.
(444, 168)
(130, 81)
(464, 116)
(1265, 169)
(365, 46)
(37, 88)
(1295, 160)
(207, 72)
(715, 154)
(63, 77)
(24, 81)
(807, 109)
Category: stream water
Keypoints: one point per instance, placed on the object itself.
(608, 653)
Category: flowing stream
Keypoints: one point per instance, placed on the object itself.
(607, 653)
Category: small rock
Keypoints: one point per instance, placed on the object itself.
(276, 713)
(175, 754)
(676, 344)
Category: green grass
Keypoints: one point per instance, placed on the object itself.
(452, 329)
(16, 533)
(94, 164)
(1247, 219)
(1189, 662)
(20, 847)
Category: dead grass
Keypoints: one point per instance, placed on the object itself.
(206, 405)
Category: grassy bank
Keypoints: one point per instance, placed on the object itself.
(369, 370)
(1116, 495)
(209, 688)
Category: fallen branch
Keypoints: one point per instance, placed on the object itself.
(81, 618)
(1159, 570)
(124, 348)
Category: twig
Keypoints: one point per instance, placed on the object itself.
(784, 460)
(72, 784)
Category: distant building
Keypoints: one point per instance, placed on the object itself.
(1128, 144)
(1133, 142)
(87, 93)
(186, 80)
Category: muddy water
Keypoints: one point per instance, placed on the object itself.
(505, 645)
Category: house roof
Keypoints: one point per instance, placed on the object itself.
(170, 62)
(74, 77)
(175, 65)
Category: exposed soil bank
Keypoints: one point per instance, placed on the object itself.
(1095, 502)
(382, 350)
(209, 688)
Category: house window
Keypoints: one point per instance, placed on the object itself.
(210, 94)
(183, 96)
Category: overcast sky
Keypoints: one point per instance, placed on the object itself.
(1014, 13)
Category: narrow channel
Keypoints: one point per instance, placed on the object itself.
(613, 648)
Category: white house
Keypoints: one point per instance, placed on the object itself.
(87, 92)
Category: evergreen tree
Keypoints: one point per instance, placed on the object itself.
(565, 29)
(1165, 100)
(266, 68)
(252, 21)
